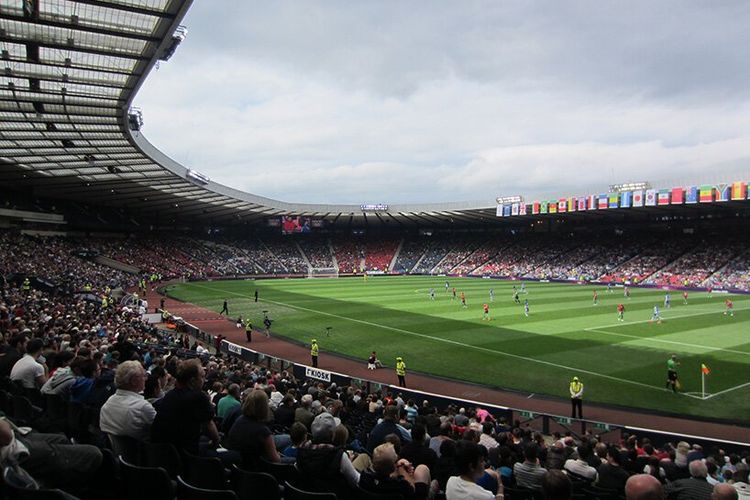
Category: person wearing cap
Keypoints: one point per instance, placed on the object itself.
(401, 371)
(314, 352)
(323, 466)
(576, 397)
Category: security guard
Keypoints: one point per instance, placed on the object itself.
(26, 286)
(576, 397)
(105, 302)
(248, 330)
(401, 371)
(314, 352)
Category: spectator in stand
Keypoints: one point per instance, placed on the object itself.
(724, 492)
(694, 487)
(579, 468)
(63, 378)
(397, 476)
(556, 485)
(417, 452)
(183, 410)
(30, 370)
(126, 412)
(387, 426)
(529, 473)
(303, 413)
(643, 487)
(231, 400)
(610, 474)
(470, 466)
(14, 352)
(250, 436)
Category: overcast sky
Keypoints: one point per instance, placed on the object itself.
(394, 102)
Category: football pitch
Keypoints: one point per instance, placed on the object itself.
(565, 334)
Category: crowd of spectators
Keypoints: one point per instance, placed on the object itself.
(379, 254)
(349, 254)
(736, 275)
(434, 252)
(460, 250)
(412, 250)
(288, 255)
(694, 267)
(152, 386)
(480, 256)
(318, 252)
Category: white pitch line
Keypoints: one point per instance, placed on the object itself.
(446, 341)
(727, 390)
(679, 316)
(664, 341)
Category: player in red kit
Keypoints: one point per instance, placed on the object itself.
(596, 298)
(486, 315)
(620, 312)
(684, 297)
(730, 307)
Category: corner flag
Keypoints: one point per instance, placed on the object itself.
(705, 370)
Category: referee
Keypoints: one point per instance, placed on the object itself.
(672, 364)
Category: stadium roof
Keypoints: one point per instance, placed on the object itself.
(71, 69)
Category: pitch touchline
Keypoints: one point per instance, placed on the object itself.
(447, 341)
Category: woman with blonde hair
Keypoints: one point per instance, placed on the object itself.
(250, 436)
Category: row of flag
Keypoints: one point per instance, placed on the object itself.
(632, 199)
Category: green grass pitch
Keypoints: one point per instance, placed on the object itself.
(565, 334)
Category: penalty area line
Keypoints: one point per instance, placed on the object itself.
(448, 341)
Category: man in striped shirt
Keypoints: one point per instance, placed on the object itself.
(529, 473)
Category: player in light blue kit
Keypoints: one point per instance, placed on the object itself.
(492, 295)
(432, 294)
(657, 315)
(667, 301)
(526, 307)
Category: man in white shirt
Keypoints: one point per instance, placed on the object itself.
(580, 469)
(30, 370)
(126, 412)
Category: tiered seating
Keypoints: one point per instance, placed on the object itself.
(694, 267)
(652, 257)
(379, 253)
(480, 256)
(434, 253)
(460, 250)
(288, 255)
(349, 254)
(411, 251)
(735, 275)
(317, 251)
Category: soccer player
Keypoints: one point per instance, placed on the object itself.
(667, 301)
(609, 287)
(684, 297)
(492, 295)
(447, 286)
(523, 287)
(515, 296)
(463, 300)
(657, 315)
(454, 293)
(486, 315)
(626, 292)
(432, 294)
(596, 298)
(672, 364)
(729, 307)
(526, 308)
(709, 292)
(620, 312)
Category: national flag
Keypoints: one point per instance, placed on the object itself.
(552, 206)
(614, 200)
(499, 211)
(739, 190)
(581, 204)
(638, 198)
(591, 202)
(514, 209)
(543, 207)
(650, 198)
(706, 194)
(562, 205)
(522, 209)
(663, 197)
(722, 192)
(626, 199)
(691, 195)
(535, 208)
(571, 204)
(705, 370)
(678, 196)
(603, 202)
(506, 210)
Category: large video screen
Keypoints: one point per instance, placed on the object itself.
(294, 225)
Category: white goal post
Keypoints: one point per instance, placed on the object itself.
(323, 272)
